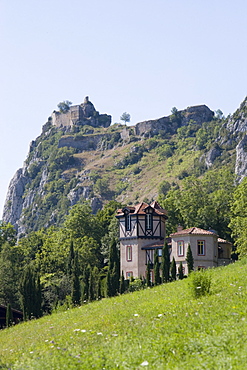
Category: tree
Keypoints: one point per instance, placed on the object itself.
(64, 106)
(122, 284)
(173, 269)
(165, 265)
(156, 268)
(125, 117)
(148, 275)
(108, 284)
(7, 234)
(30, 289)
(70, 258)
(190, 260)
(76, 286)
(9, 316)
(180, 271)
(238, 222)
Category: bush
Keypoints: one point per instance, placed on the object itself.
(136, 284)
(200, 283)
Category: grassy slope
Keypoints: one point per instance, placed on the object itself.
(164, 326)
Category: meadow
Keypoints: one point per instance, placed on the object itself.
(164, 327)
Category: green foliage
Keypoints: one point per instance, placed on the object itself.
(148, 275)
(180, 271)
(135, 285)
(238, 223)
(9, 316)
(7, 234)
(173, 270)
(30, 292)
(165, 264)
(156, 268)
(190, 260)
(200, 283)
(125, 117)
(64, 106)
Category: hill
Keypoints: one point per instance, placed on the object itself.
(79, 156)
(160, 328)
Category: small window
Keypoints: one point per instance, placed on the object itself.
(160, 252)
(200, 248)
(129, 253)
(129, 274)
(180, 248)
(149, 256)
(149, 222)
(128, 222)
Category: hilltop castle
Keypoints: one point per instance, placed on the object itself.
(83, 114)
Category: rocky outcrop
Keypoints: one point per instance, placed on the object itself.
(241, 159)
(14, 200)
(197, 114)
(87, 142)
(211, 156)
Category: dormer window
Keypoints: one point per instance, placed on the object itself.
(149, 221)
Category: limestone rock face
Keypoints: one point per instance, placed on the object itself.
(14, 200)
(241, 159)
(211, 156)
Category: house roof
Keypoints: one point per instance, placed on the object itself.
(141, 207)
(223, 241)
(193, 231)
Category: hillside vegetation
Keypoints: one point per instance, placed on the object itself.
(160, 328)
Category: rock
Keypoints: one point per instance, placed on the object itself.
(211, 156)
(241, 159)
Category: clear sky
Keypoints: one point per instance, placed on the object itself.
(139, 56)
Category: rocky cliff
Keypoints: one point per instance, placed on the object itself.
(70, 163)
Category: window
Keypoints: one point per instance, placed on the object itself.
(200, 247)
(180, 246)
(127, 222)
(149, 223)
(149, 256)
(129, 253)
(129, 274)
(160, 252)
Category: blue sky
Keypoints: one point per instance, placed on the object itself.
(139, 56)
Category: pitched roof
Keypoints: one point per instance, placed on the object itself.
(193, 231)
(223, 241)
(141, 207)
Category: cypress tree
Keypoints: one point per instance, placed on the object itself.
(70, 258)
(114, 280)
(156, 268)
(76, 286)
(148, 274)
(165, 263)
(91, 295)
(190, 260)
(108, 284)
(38, 301)
(30, 290)
(114, 258)
(173, 269)
(85, 279)
(122, 284)
(9, 316)
(180, 271)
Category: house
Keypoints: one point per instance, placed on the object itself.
(207, 248)
(141, 232)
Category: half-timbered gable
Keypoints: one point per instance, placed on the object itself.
(141, 231)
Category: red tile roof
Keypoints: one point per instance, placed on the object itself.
(193, 231)
(223, 241)
(140, 209)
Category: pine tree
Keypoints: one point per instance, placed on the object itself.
(9, 316)
(76, 286)
(190, 260)
(165, 265)
(122, 284)
(173, 269)
(148, 273)
(180, 271)
(156, 268)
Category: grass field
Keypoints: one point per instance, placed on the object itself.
(159, 328)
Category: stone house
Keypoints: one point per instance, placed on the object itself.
(207, 248)
(142, 230)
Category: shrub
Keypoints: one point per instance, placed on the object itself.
(136, 284)
(200, 283)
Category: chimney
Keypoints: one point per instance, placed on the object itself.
(179, 228)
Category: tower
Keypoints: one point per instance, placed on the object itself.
(141, 232)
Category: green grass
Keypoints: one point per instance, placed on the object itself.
(159, 328)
